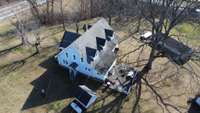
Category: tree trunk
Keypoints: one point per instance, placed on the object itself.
(62, 15)
(148, 66)
(77, 28)
(47, 15)
(52, 12)
(35, 10)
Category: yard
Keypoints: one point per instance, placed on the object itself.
(22, 76)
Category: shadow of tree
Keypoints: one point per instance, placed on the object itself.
(16, 64)
(5, 51)
(7, 33)
(112, 107)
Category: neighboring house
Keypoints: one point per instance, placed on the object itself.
(92, 54)
(175, 50)
(170, 47)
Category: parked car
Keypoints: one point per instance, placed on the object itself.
(146, 36)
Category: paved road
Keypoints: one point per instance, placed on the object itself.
(13, 9)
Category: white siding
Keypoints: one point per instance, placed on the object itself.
(70, 55)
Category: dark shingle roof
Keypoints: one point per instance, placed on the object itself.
(90, 54)
(100, 43)
(87, 46)
(177, 45)
(68, 38)
(108, 33)
(83, 96)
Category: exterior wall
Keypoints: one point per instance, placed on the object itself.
(70, 55)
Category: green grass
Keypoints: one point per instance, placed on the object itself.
(189, 32)
(56, 106)
(6, 27)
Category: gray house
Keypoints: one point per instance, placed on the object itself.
(175, 50)
(170, 47)
(93, 53)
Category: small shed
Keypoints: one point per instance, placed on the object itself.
(84, 98)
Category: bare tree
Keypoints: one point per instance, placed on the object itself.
(35, 10)
(163, 16)
(62, 14)
(21, 30)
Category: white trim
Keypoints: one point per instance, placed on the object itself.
(76, 107)
(114, 63)
(198, 101)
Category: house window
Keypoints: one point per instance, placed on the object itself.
(81, 59)
(66, 54)
(89, 70)
(65, 62)
(86, 68)
(74, 57)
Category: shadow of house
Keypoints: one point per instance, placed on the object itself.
(194, 109)
(57, 85)
(194, 105)
(112, 107)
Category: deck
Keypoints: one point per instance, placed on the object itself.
(121, 78)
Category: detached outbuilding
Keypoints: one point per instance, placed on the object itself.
(175, 50)
(170, 47)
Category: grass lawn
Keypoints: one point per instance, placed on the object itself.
(189, 33)
(16, 86)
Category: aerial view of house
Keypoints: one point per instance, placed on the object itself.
(99, 56)
(92, 53)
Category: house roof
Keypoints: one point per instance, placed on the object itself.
(173, 46)
(95, 39)
(108, 34)
(90, 54)
(180, 47)
(68, 38)
(100, 43)
(84, 95)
